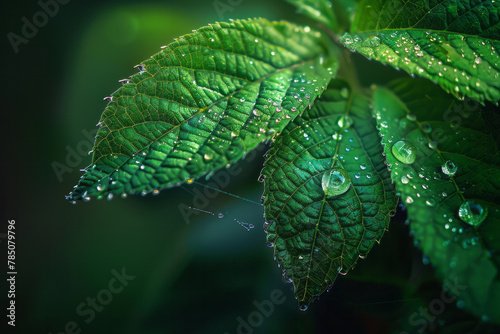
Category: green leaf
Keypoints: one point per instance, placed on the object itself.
(444, 157)
(202, 102)
(319, 10)
(454, 43)
(333, 15)
(327, 201)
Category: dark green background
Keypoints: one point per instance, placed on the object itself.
(195, 277)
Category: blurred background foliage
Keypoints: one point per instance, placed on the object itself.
(191, 276)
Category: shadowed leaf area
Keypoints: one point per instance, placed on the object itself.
(445, 162)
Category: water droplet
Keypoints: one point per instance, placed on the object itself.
(345, 122)
(303, 307)
(208, 156)
(362, 166)
(371, 41)
(449, 168)
(409, 200)
(430, 202)
(411, 117)
(404, 179)
(337, 136)
(335, 182)
(472, 213)
(404, 151)
(426, 127)
(344, 92)
(141, 68)
(433, 145)
(220, 215)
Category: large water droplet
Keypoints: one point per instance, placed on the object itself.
(405, 152)
(472, 213)
(371, 41)
(449, 168)
(345, 122)
(335, 182)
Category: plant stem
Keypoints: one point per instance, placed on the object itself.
(347, 69)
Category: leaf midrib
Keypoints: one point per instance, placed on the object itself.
(201, 110)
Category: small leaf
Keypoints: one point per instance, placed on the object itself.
(333, 15)
(453, 43)
(202, 102)
(319, 10)
(451, 185)
(328, 193)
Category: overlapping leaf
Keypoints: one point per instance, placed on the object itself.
(455, 43)
(334, 15)
(443, 155)
(328, 193)
(202, 102)
(319, 10)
